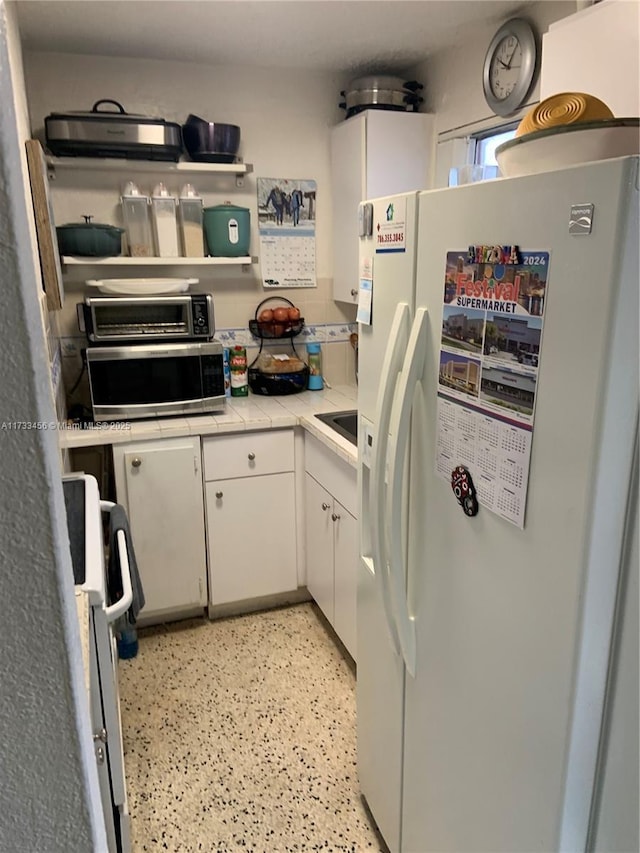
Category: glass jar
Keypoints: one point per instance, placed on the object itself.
(137, 221)
(190, 218)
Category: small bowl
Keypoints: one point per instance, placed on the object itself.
(568, 145)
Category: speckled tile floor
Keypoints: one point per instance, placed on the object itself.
(240, 735)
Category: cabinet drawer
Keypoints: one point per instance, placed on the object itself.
(248, 454)
(336, 476)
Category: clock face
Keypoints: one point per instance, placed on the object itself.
(510, 67)
(506, 68)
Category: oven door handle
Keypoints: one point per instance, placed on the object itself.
(114, 611)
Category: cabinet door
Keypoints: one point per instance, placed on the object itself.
(345, 537)
(160, 484)
(319, 538)
(398, 145)
(347, 185)
(251, 527)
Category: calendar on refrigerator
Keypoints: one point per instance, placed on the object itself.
(490, 345)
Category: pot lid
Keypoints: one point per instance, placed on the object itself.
(119, 113)
(378, 81)
(87, 225)
(226, 207)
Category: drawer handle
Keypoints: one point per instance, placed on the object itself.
(325, 507)
(136, 462)
(335, 517)
(251, 457)
(218, 495)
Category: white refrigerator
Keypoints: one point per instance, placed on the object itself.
(498, 652)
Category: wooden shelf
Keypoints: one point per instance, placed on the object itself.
(117, 164)
(122, 261)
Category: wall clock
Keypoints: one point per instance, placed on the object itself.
(510, 67)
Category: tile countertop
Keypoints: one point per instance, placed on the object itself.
(242, 413)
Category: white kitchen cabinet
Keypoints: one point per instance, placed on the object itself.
(251, 515)
(374, 153)
(331, 530)
(159, 483)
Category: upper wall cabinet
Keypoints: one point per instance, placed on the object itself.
(374, 153)
(595, 51)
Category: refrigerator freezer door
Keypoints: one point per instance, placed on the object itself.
(502, 721)
(380, 684)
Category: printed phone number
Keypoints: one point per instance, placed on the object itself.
(534, 260)
(53, 425)
(393, 237)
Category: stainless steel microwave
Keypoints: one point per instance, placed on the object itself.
(107, 319)
(147, 381)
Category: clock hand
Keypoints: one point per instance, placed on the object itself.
(508, 65)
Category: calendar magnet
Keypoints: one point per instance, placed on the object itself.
(464, 490)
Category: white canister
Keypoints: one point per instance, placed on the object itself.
(137, 221)
(190, 217)
(165, 223)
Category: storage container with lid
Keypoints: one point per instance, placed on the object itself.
(165, 222)
(190, 219)
(137, 221)
(228, 230)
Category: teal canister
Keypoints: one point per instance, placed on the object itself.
(228, 230)
(314, 353)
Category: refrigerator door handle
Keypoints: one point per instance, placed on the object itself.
(400, 422)
(391, 367)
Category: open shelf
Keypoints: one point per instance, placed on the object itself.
(117, 164)
(122, 261)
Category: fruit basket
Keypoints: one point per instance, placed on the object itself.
(277, 374)
(278, 322)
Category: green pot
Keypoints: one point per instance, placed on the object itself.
(228, 230)
(89, 240)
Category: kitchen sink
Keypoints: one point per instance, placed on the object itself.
(344, 423)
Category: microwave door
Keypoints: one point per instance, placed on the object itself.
(137, 382)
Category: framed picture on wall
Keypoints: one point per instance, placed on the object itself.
(45, 225)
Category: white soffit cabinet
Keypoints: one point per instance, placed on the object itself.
(596, 51)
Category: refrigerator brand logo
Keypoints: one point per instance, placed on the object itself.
(581, 219)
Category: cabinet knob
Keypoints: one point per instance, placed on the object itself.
(335, 517)
(136, 462)
(251, 457)
(354, 292)
(218, 495)
(325, 507)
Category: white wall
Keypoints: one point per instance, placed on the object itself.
(285, 118)
(48, 797)
(453, 92)
(453, 76)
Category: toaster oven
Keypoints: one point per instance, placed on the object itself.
(107, 319)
